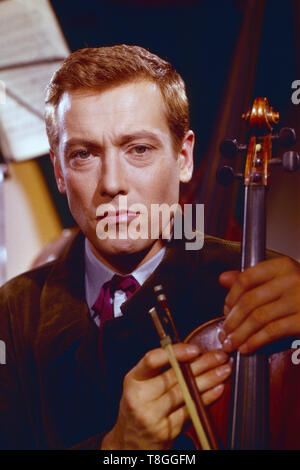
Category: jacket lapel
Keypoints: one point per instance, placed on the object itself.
(64, 314)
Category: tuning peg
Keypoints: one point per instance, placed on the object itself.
(230, 147)
(226, 176)
(291, 161)
(286, 137)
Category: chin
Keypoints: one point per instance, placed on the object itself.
(122, 247)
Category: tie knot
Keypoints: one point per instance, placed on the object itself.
(127, 284)
(103, 304)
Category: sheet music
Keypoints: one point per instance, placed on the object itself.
(28, 31)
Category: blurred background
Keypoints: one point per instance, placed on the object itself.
(228, 52)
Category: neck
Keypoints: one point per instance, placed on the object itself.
(125, 263)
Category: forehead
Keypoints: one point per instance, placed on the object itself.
(122, 109)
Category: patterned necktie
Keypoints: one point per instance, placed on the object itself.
(104, 303)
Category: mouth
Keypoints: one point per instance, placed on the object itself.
(118, 217)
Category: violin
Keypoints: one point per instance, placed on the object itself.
(260, 405)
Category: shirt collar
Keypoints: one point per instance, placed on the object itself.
(97, 273)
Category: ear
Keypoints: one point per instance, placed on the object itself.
(58, 173)
(186, 164)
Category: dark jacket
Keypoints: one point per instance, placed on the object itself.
(54, 393)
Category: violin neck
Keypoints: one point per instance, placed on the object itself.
(248, 427)
(254, 227)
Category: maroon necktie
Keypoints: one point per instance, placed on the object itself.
(104, 302)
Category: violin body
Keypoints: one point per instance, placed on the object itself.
(283, 391)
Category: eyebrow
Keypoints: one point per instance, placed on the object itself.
(76, 141)
(127, 138)
(122, 140)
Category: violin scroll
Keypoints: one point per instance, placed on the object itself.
(261, 117)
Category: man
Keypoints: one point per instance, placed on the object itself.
(118, 128)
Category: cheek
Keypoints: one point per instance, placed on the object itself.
(79, 193)
(165, 185)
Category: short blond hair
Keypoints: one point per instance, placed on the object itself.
(103, 67)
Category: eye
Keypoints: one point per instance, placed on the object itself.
(140, 149)
(81, 154)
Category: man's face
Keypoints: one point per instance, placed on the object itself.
(117, 143)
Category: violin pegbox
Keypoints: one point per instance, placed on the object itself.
(261, 119)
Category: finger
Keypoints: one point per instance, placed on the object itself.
(258, 320)
(154, 360)
(208, 360)
(172, 425)
(283, 327)
(212, 395)
(227, 278)
(252, 277)
(255, 298)
(213, 378)
(208, 363)
(162, 383)
(171, 400)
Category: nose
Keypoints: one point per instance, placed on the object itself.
(113, 176)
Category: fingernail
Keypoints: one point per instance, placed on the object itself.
(220, 355)
(223, 370)
(226, 310)
(227, 345)
(222, 336)
(192, 349)
(218, 388)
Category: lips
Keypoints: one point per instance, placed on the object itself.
(118, 217)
